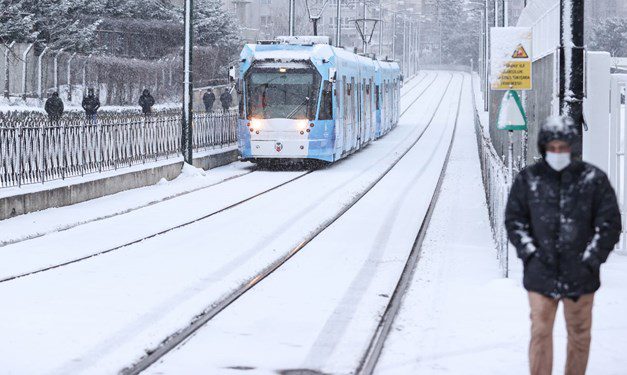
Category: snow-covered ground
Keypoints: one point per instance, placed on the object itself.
(319, 311)
(461, 317)
(102, 313)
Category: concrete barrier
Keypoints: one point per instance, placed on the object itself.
(20, 204)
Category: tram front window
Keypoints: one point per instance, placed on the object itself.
(282, 93)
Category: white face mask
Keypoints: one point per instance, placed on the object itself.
(558, 161)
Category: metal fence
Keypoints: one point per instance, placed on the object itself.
(34, 149)
(496, 184)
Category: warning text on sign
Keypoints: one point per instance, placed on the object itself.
(516, 75)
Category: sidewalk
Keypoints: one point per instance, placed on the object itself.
(460, 316)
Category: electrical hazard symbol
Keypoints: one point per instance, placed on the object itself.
(520, 53)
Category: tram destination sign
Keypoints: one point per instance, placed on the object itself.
(510, 67)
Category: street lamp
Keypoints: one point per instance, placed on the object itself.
(187, 86)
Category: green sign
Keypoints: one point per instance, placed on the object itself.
(511, 113)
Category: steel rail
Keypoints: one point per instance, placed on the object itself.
(177, 338)
(123, 212)
(86, 257)
(160, 233)
(371, 356)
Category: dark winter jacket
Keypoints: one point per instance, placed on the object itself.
(54, 107)
(226, 99)
(146, 101)
(563, 225)
(91, 103)
(208, 99)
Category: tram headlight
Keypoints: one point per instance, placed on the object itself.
(255, 124)
(302, 125)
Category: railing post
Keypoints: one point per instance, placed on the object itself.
(99, 145)
(18, 149)
(42, 150)
(63, 151)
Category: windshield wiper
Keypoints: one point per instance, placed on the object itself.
(305, 102)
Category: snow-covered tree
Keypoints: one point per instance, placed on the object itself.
(460, 31)
(609, 35)
(214, 26)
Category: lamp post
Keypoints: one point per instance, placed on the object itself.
(187, 86)
(338, 27)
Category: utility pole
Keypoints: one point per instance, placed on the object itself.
(365, 48)
(380, 29)
(338, 27)
(188, 86)
(394, 36)
(292, 11)
(405, 45)
(506, 13)
(571, 65)
(486, 60)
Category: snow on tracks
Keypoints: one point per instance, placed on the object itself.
(101, 314)
(318, 312)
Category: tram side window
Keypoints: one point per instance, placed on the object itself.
(326, 105)
(377, 99)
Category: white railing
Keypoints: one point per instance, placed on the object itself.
(34, 149)
(495, 182)
(618, 164)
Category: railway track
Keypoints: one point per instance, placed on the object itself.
(190, 222)
(216, 308)
(375, 347)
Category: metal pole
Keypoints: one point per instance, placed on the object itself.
(418, 42)
(365, 49)
(7, 76)
(510, 181)
(380, 29)
(486, 60)
(571, 65)
(405, 45)
(394, 36)
(24, 68)
(40, 73)
(338, 27)
(506, 13)
(188, 86)
(496, 13)
(291, 16)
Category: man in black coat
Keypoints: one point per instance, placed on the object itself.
(563, 219)
(208, 99)
(91, 104)
(146, 101)
(226, 99)
(54, 107)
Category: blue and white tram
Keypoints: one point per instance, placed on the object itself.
(302, 99)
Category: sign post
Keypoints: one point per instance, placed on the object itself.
(511, 69)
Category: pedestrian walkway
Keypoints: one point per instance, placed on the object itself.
(460, 316)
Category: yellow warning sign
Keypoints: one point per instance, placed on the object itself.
(516, 75)
(510, 55)
(520, 53)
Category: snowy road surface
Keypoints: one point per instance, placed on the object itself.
(100, 314)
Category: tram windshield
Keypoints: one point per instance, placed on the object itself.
(282, 93)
